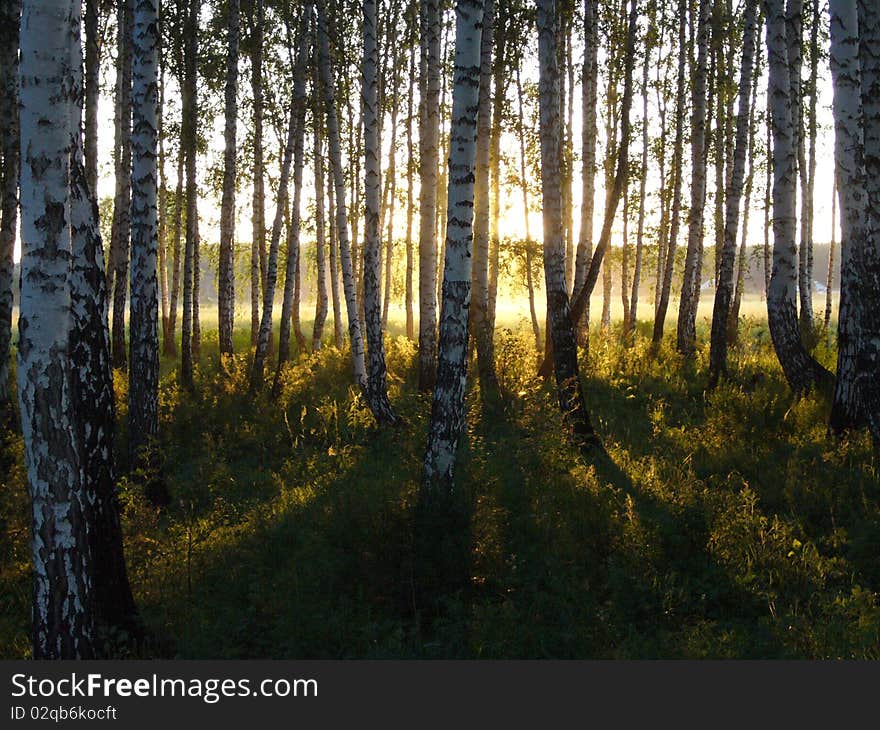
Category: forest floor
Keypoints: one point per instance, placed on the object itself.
(731, 524)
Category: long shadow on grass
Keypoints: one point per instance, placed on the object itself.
(638, 565)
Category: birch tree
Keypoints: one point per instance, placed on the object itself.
(10, 154)
(226, 273)
(188, 141)
(294, 141)
(321, 299)
(93, 396)
(801, 370)
(429, 138)
(335, 148)
(618, 181)
(687, 307)
(298, 106)
(447, 408)
(143, 392)
(64, 624)
(632, 320)
(120, 237)
(561, 331)
(410, 199)
(479, 310)
(869, 292)
(724, 284)
(377, 390)
(668, 262)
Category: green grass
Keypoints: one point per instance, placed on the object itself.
(730, 524)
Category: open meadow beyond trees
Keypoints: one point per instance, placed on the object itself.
(482, 329)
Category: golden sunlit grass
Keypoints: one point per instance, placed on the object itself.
(730, 525)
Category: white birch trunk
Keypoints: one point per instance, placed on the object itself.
(869, 352)
(724, 284)
(321, 233)
(10, 13)
(63, 620)
(143, 393)
(333, 137)
(377, 391)
(447, 410)
(560, 329)
(480, 265)
(687, 309)
(801, 370)
(293, 242)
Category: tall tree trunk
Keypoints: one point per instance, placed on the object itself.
(801, 370)
(429, 137)
(830, 280)
(808, 178)
(625, 250)
(291, 274)
(93, 398)
(677, 175)
(794, 27)
(120, 237)
(170, 343)
(143, 376)
(621, 176)
(163, 200)
(377, 391)
(293, 143)
(10, 152)
(590, 105)
(768, 204)
(447, 410)
(499, 102)
(338, 337)
(410, 165)
(226, 273)
(63, 611)
(855, 162)
(536, 329)
(632, 321)
(391, 188)
(189, 121)
(724, 282)
(333, 138)
(742, 259)
(687, 309)
(320, 232)
(479, 306)
(258, 214)
(92, 86)
(869, 290)
(561, 331)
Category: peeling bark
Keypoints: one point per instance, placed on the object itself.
(377, 390)
(560, 329)
(801, 370)
(10, 153)
(447, 409)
